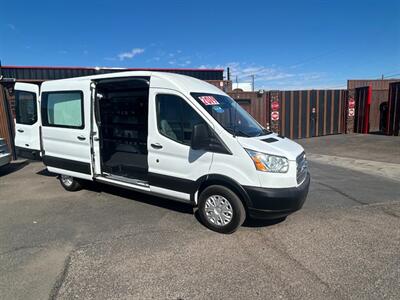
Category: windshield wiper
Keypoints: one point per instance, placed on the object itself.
(237, 132)
(264, 132)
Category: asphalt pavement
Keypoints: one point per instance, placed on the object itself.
(107, 243)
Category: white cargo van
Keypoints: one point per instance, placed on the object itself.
(164, 134)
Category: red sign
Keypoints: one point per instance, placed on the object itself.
(352, 103)
(275, 105)
(275, 116)
(208, 100)
(351, 112)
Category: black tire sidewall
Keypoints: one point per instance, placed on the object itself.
(75, 186)
(239, 213)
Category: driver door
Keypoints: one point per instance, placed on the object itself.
(173, 166)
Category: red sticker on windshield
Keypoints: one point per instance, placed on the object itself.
(208, 100)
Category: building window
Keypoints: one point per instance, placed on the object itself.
(25, 108)
(175, 118)
(63, 109)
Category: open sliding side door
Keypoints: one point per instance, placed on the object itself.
(66, 127)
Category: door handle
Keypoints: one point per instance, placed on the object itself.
(156, 146)
(20, 130)
(81, 138)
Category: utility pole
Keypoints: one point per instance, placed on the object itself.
(236, 81)
(228, 73)
(252, 82)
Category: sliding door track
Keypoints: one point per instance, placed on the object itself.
(124, 180)
(137, 182)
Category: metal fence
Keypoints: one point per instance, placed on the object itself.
(308, 113)
(363, 104)
(393, 118)
(6, 119)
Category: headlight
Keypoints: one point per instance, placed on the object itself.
(269, 163)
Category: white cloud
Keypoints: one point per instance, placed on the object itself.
(173, 58)
(184, 63)
(130, 54)
(273, 77)
(244, 71)
(153, 59)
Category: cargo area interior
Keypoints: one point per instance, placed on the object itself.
(122, 117)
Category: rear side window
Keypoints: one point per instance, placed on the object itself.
(63, 109)
(175, 118)
(25, 108)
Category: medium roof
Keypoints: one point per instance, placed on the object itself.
(159, 79)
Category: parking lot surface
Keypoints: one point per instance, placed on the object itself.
(108, 243)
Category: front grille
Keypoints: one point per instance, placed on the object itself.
(302, 167)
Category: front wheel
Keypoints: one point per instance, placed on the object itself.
(70, 183)
(220, 209)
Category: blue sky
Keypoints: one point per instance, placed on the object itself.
(285, 44)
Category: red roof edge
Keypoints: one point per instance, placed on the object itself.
(114, 68)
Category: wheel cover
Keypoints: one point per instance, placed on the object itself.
(67, 180)
(218, 210)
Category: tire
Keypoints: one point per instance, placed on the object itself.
(70, 183)
(216, 203)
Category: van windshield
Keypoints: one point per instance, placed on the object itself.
(230, 115)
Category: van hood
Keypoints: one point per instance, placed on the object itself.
(272, 144)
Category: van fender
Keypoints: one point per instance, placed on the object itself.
(218, 179)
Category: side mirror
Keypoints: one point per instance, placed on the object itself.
(200, 137)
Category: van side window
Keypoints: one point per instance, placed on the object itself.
(63, 109)
(175, 118)
(25, 108)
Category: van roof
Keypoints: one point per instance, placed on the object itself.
(164, 80)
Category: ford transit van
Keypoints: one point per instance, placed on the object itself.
(164, 134)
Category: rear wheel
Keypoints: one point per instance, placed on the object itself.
(70, 183)
(220, 209)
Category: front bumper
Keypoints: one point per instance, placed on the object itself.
(269, 203)
(5, 159)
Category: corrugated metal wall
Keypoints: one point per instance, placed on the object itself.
(393, 122)
(362, 99)
(254, 103)
(50, 73)
(380, 94)
(309, 113)
(4, 121)
(302, 114)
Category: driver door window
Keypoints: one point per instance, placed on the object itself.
(175, 118)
